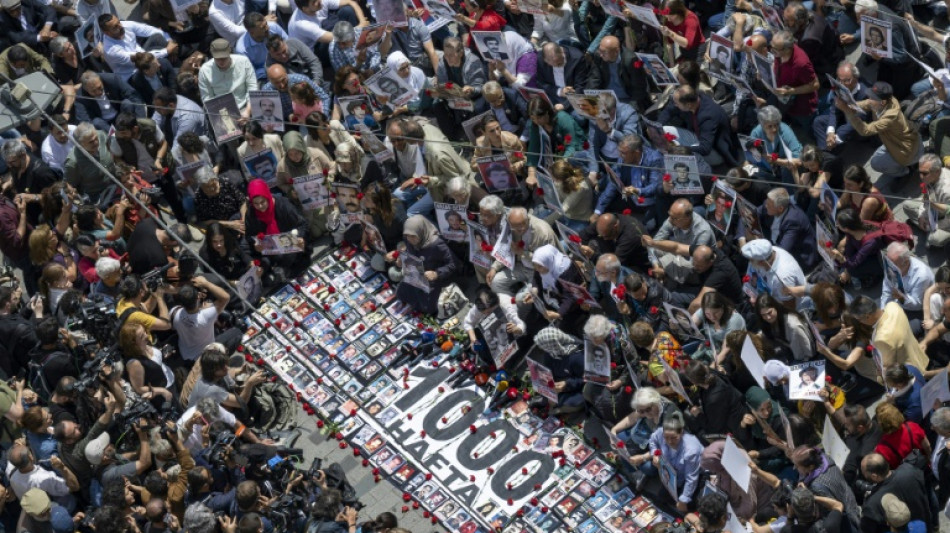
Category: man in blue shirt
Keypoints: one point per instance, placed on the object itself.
(641, 172)
(253, 44)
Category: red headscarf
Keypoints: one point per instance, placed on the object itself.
(257, 188)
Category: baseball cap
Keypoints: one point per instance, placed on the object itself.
(881, 91)
(220, 49)
(35, 502)
(9, 4)
(757, 250)
(896, 512)
(96, 449)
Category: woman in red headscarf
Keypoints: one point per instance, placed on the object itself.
(271, 216)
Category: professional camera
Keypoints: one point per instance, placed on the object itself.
(223, 446)
(155, 278)
(863, 488)
(92, 369)
(8, 277)
(91, 318)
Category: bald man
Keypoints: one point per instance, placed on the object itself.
(672, 242)
(906, 482)
(563, 70)
(278, 79)
(612, 69)
(620, 235)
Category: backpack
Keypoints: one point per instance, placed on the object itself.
(922, 110)
(892, 231)
(37, 379)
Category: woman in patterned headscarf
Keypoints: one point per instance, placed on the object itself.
(564, 356)
(436, 262)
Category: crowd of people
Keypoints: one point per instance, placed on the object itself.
(616, 189)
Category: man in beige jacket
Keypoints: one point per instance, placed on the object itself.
(901, 145)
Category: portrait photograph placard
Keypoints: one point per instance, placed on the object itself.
(312, 191)
(262, 165)
(387, 84)
(185, 173)
(876, 37)
(496, 173)
(596, 362)
(479, 245)
(491, 44)
(370, 35)
(657, 70)
(764, 67)
(719, 214)
(684, 171)
(548, 190)
(225, 116)
(266, 109)
(806, 380)
(281, 244)
(413, 271)
(644, 14)
(720, 57)
(452, 220)
(357, 110)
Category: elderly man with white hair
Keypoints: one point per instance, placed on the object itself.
(905, 280)
(526, 233)
(776, 269)
(935, 188)
(788, 227)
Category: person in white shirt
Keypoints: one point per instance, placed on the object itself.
(193, 320)
(227, 17)
(915, 277)
(119, 44)
(93, 9)
(778, 269)
(313, 20)
(24, 474)
(227, 73)
(56, 145)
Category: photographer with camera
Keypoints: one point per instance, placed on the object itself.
(138, 302)
(109, 465)
(160, 518)
(170, 485)
(329, 515)
(202, 483)
(195, 317)
(52, 359)
(906, 482)
(91, 250)
(73, 438)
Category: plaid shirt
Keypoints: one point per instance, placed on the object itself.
(341, 57)
(292, 79)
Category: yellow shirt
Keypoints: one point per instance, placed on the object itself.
(137, 317)
(895, 341)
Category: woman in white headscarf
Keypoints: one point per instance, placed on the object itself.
(551, 266)
(437, 267)
(411, 76)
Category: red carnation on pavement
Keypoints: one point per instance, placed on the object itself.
(472, 428)
(406, 497)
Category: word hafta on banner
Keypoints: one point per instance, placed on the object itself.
(371, 371)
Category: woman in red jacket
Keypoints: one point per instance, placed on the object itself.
(682, 28)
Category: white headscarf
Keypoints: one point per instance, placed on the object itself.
(417, 78)
(554, 261)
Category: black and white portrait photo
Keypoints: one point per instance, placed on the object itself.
(491, 44)
(266, 109)
(387, 83)
(262, 165)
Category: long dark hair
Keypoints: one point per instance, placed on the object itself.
(215, 229)
(715, 300)
(774, 331)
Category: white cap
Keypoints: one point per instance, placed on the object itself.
(757, 250)
(96, 449)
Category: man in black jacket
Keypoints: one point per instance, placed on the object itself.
(563, 70)
(906, 482)
(613, 69)
(507, 105)
(863, 434)
(701, 115)
(96, 100)
(619, 235)
(26, 22)
(30, 174)
(52, 358)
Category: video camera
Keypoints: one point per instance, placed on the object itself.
(94, 317)
(155, 278)
(90, 376)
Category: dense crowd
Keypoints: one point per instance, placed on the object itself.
(670, 183)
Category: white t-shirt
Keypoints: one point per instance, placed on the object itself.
(54, 153)
(195, 331)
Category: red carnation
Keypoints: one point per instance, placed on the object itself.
(669, 137)
(654, 310)
(520, 244)
(518, 155)
(774, 157)
(576, 239)
(628, 390)
(586, 145)
(828, 244)
(748, 42)
(539, 191)
(657, 453)
(487, 247)
(757, 143)
(638, 64)
(260, 236)
(471, 216)
(626, 211)
(560, 148)
(640, 199)
(326, 171)
(449, 85)
(667, 177)
(417, 181)
(567, 138)
(746, 279)
(472, 428)
(728, 204)
(359, 196)
(395, 254)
